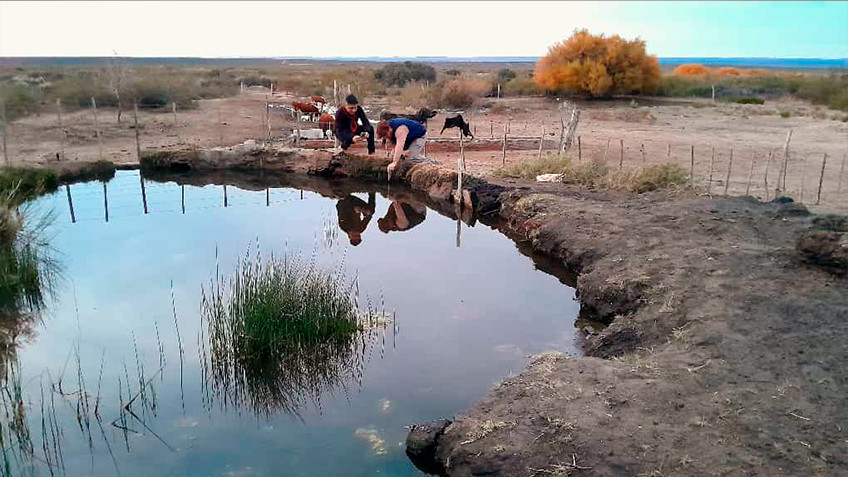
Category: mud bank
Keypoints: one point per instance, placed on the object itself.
(725, 352)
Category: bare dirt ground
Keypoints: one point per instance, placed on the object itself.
(666, 129)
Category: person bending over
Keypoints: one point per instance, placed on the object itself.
(407, 136)
(348, 127)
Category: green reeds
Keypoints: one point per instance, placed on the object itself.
(281, 332)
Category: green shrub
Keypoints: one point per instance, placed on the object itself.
(19, 99)
(785, 114)
(746, 100)
(20, 184)
(398, 74)
(522, 87)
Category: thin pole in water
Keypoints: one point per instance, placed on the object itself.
(225, 195)
(105, 202)
(458, 232)
(182, 197)
(821, 179)
(143, 192)
(267, 197)
(70, 204)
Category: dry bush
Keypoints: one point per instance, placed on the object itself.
(598, 66)
(461, 93)
(691, 70)
(595, 174)
(522, 87)
(728, 71)
(418, 96)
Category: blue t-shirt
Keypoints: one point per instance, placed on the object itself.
(416, 129)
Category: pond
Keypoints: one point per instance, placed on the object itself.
(115, 377)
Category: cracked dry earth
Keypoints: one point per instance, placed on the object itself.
(726, 354)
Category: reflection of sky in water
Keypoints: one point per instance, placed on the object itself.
(467, 316)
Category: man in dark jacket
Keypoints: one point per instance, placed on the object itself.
(354, 215)
(348, 129)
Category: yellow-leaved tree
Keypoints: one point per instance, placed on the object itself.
(598, 66)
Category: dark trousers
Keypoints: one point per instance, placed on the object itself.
(370, 130)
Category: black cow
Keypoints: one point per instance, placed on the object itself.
(458, 122)
(422, 115)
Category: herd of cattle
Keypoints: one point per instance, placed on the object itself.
(318, 110)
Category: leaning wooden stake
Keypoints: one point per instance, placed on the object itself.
(561, 134)
(97, 130)
(691, 166)
(727, 178)
(492, 129)
(821, 179)
(710, 178)
(220, 130)
(750, 173)
(765, 176)
(606, 150)
(667, 150)
(642, 149)
(841, 173)
(781, 184)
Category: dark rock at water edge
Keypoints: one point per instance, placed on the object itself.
(421, 444)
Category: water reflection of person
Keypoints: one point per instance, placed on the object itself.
(354, 215)
(402, 216)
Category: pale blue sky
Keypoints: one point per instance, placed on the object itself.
(396, 28)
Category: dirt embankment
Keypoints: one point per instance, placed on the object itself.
(725, 354)
(728, 349)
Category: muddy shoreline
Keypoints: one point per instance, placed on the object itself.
(725, 351)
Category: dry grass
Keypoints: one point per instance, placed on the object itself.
(593, 174)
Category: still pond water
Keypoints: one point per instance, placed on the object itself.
(464, 317)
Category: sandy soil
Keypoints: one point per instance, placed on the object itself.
(751, 131)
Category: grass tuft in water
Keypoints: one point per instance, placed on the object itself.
(282, 331)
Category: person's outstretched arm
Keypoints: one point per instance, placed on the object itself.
(400, 137)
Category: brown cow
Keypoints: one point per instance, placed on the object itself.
(327, 123)
(318, 99)
(305, 108)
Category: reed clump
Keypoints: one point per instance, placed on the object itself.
(281, 332)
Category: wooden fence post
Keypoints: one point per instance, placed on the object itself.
(621, 153)
(642, 150)
(765, 176)
(541, 142)
(668, 150)
(5, 130)
(579, 149)
(803, 176)
(727, 179)
(751, 173)
(606, 150)
(712, 164)
(782, 185)
(503, 159)
(561, 134)
(841, 173)
(137, 140)
(97, 130)
(220, 130)
(63, 136)
(821, 179)
(691, 166)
